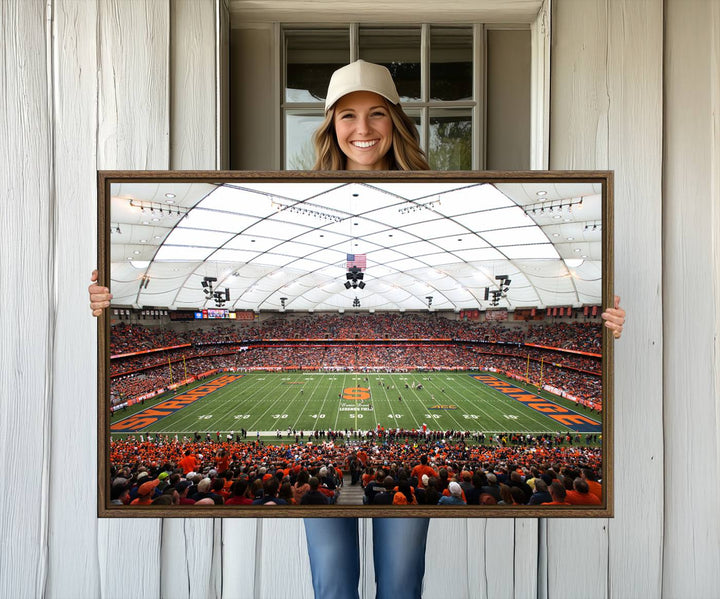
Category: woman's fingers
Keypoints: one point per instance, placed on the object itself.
(99, 296)
(615, 318)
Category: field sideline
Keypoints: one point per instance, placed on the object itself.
(268, 402)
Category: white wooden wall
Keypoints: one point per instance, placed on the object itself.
(90, 84)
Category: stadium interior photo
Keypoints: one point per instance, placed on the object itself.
(383, 339)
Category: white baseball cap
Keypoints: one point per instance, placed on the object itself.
(455, 489)
(361, 76)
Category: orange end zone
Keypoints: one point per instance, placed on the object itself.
(139, 421)
(566, 417)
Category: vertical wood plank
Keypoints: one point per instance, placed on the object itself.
(525, 558)
(715, 193)
(26, 270)
(133, 126)
(222, 16)
(282, 565)
(189, 557)
(477, 547)
(190, 553)
(133, 129)
(193, 85)
(448, 549)
(73, 520)
(607, 113)
(692, 313)
(239, 558)
(578, 139)
(635, 87)
(540, 89)
(129, 555)
(578, 96)
(499, 558)
(479, 550)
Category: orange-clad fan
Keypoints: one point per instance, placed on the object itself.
(423, 468)
(189, 463)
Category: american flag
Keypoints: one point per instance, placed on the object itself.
(359, 260)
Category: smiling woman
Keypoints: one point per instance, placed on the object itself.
(363, 107)
(364, 131)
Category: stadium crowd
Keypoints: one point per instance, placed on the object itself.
(513, 470)
(578, 336)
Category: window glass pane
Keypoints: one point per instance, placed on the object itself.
(311, 57)
(508, 100)
(415, 117)
(398, 50)
(299, 128)
(450, 145)
(451, 55)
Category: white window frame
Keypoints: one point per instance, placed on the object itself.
(476, 106)
(539, 94)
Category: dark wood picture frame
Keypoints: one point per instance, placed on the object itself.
(106, 178)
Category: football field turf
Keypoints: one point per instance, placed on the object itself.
(268, 402)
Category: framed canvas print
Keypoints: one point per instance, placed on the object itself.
(355, 344)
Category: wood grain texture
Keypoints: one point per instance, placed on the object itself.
(133, 118)
(578, 90)
(635, 85)
(715, 195)
(450, 545)
(190, 553)
(479, 551)
(540, 89)
(129, 558)
(691, 403)
(525, 558)
(74, 417)
(193, 85)
(110, 97)
(190, 558)
(133, 123)
(578, 139)
(282, 565)
(239, 557)
(26, 270)
(607, 112)
(223, 72)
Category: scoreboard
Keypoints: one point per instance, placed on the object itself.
(220, 313)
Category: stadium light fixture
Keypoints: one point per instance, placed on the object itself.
(354, 278)
(221, 297)
(207, 286)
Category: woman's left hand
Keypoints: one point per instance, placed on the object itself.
(615, 318)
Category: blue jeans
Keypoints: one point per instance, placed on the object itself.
(398, 552)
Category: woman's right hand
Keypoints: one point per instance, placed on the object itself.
(99, 296)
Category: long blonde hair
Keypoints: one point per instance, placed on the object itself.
(405, 154)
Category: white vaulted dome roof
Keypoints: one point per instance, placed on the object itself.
(444, 240)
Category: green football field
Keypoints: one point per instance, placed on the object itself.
(268, 402)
